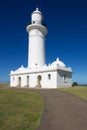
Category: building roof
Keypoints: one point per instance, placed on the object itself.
(37, 11)
(59, 63)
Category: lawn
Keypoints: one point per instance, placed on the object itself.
(79, 91)
(20, 109)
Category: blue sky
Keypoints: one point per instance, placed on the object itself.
(66, 39)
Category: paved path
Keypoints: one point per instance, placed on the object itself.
(63, 111)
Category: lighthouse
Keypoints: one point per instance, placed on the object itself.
(38, 74)
(36, 35)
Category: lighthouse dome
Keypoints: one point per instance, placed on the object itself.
(58, 62)
(36, 17)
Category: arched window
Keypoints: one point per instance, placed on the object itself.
(39, 78)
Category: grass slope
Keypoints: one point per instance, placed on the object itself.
(78, 91)
(19, 109)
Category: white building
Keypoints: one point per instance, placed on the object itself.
(38, 74)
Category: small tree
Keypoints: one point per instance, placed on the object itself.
(74, 84)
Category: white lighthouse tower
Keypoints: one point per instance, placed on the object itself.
(37, 31)
(38, 74)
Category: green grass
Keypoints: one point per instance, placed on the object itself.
(20, 109)
(78, 91)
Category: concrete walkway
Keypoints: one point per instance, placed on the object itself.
(63, 111)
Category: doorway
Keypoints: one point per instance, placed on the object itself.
(19, 82)
(27, 81)
(39, 78)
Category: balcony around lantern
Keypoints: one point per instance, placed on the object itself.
(42, 27)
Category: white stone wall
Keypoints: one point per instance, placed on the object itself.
(49, 83)
(13, 81)
(56, 79)
(36, 56)
(60, 79)
(50, 77)
(45, 81)
(33, 80)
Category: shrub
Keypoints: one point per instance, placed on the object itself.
(74, 84)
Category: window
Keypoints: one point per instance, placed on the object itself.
(33, 21)
(49, 76)
(64, 78)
